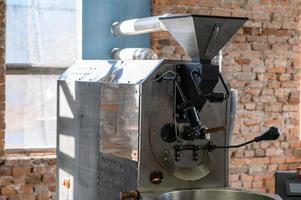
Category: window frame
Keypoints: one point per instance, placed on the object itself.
(33, 69)
(30, 69)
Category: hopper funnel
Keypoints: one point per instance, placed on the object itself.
(202, 36)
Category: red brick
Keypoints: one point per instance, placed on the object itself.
(246, 184)
(22, 197)
(5, 181)
(292, 159)
(293, 108)
(5, 171)
(272, 167)
(33, 179)
(41, 188)
(270, 122)
(8, 190)
(257, 184)
(208, 3)
(233, 177)
(52, 188)
(40, 169)
(249, 153)
(186, 2)
(24, 161)
(253, 91)
(243, 61)
(48, 178)
(43, 196)
(245, 177)
(283, 167)
(276, 69)
(21, 171)
(11, 162)
(51, 161)
(25, 188)
(236, 184)
(273, 107)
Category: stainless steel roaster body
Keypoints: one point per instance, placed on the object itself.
(149, 126)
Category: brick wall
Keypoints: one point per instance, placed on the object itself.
(262, 62)
(27, 178)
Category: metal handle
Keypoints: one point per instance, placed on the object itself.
(214, 130)
(272, 134)
(134, 195)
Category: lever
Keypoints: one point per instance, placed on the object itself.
(272, 133)
(214, 130)
(134, 195)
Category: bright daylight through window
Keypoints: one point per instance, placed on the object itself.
(41, 40)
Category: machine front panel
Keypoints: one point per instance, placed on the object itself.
(157, 110)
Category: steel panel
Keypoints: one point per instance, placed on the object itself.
(119, 120)
(92, 175)
(111, 71)
(156, 110)
(115, 175)
(83, 128)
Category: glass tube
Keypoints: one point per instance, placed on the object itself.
(134, 54)
(138, 26)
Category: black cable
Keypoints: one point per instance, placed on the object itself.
(235, 146)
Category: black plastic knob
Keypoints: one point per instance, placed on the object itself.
(156, 177)
(272, 134)
(168, 133)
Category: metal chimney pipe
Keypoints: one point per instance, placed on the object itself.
(138, 26)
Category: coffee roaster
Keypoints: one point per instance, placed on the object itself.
(151, 129)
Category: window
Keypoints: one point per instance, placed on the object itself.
(41, 41)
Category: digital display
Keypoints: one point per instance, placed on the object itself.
(295, 187)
